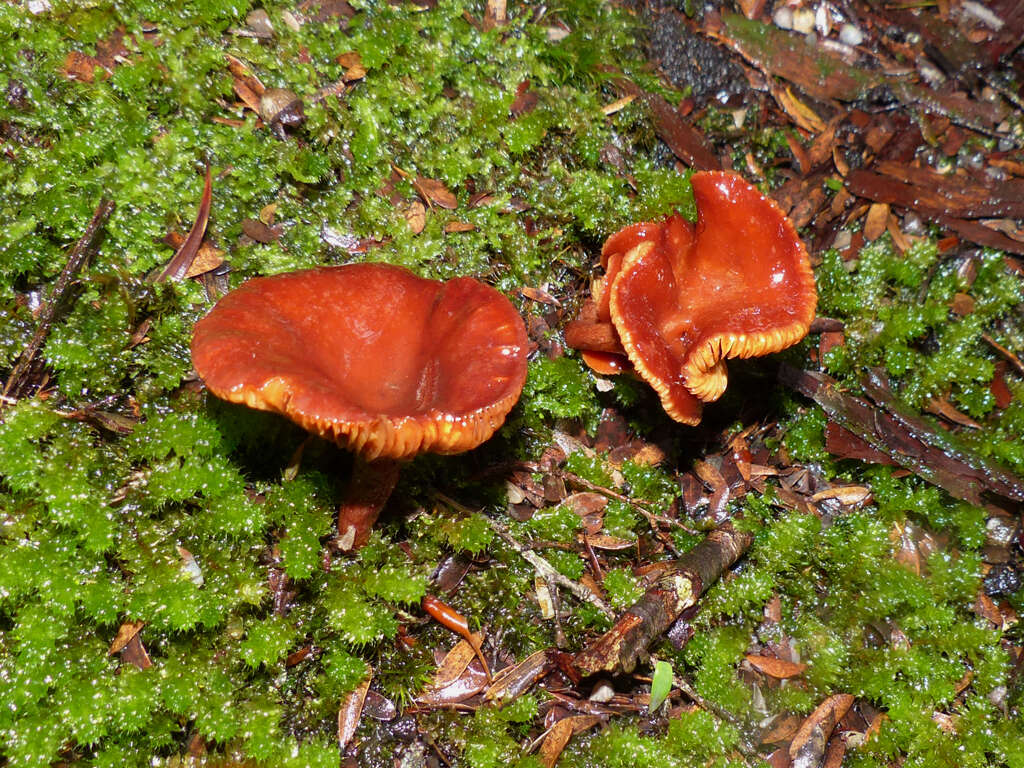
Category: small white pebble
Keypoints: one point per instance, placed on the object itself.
(783, 17)
(602, 693)
(822, 20)
(850, 35)
(803, 21)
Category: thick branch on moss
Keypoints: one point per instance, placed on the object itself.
(904, 437)
(679, 587)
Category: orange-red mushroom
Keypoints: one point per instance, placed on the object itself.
(372, 357)
(682, 297)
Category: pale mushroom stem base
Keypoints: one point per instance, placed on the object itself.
(368, 491)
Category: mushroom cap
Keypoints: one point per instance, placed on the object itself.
(685, 297)
(371, 356)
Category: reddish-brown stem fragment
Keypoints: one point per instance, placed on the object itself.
(368, 491)
(593, 337)
(680, 586)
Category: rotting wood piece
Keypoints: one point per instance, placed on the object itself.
(678, 587)
(909, 441)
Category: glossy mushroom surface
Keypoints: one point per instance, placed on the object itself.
(371, 356)
(684, 297)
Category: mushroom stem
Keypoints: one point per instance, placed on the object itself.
(368, 491)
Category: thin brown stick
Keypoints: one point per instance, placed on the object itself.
(74, 264)
(679, 587)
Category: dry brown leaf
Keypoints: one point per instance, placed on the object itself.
(134, 653)
(777, 668)
(781, 729)
(459, 226)
(610, 543)
(353, 64)
(469, 684)
(940, 406)
(962, 304)
(554, 742)
(453, 665)
(125, 633)
(415, 216)
(434, 191)
(808, 746)
(539, 295)
(877, 218)
(179, 264)
(513, 681)
(351, 709)
(79, 66)
(802, 115)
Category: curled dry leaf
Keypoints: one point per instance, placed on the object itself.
(468, 684)
(453, 665)
(353, 64)
(808, 746)
(434, 191)
(559, 734)
(125, 633)
(351, 709)
(777, 668)
(459, 226)
(512, 682)
(618, 104)
(179, 264)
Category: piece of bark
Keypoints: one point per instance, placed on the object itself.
(679, 587)
(904, 437)
(685, 141)
(936, 194)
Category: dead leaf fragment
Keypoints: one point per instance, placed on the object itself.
(415, 216)
(350, 711)
(459, 226)
(777, 668)
(353, 64)
(808, 746)
(555, 741)
(512, 682)
(453, 664)
(434, 191)
(125, 632)
(179, 264)
(877, 218)
(79, 66)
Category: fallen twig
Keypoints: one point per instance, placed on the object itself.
(679, 586)
(13, 388)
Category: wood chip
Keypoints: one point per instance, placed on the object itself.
(554, 742)
(618, 104)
